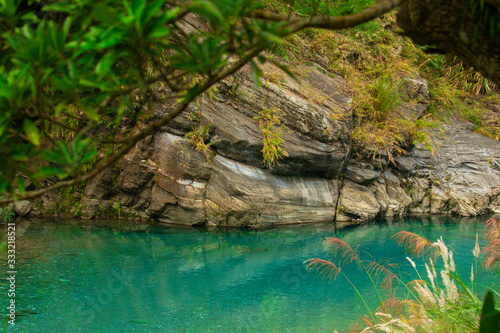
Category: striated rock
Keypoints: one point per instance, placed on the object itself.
(178, 194)
(136, 173)
(165, 179)
(225, 192)
(22, 207)
(316, 123)
(241, 195)
(362, 175)
(419, 193)
(438, 200)
(102, 185)
(357, 202)
(90, 208)
(462, 171)
(495, 205)
(385, 198)
(398, 201)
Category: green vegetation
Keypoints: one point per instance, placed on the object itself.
(273, 142)
(375, 62)
(438, 301)
(72, 73)
(6, 213)
(79, 79)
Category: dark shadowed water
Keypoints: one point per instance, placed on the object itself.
(76, 276)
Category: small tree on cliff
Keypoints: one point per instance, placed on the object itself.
(71, 72)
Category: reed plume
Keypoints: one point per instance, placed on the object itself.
(324, 267)
(415, 244)
(492, 250)
(341, 251)
(384, 269)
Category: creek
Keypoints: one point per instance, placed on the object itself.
(119, 276)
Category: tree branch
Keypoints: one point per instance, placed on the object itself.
(181, 106)
(332, 23)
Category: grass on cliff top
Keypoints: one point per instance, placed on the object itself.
(374, 59)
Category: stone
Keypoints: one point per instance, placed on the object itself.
(494, 206)
(438, 200)
(22, 207)
(363, 176)
(165, 179)
(90, 208)
(405, 165)
(415, 89)
(101, 185)
(357, 202)
(136, 173)
(462, 171)
(399, 201)
(178, 193)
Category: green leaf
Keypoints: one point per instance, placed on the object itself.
(91, 112)
(5, 122)
(46, 172)
(104, 66)
(18, 156)
(20, 185)
(32, 132)
(105, 14)
(4, 184)
(138, 7)
(159, 32)
(490, 317)
(271, 37)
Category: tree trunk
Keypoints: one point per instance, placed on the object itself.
(453, 26)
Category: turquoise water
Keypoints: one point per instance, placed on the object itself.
(76, 276)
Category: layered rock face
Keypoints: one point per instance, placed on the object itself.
(166, 180)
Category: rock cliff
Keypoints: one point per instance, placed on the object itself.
(165, 179)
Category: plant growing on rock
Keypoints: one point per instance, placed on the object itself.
(199, 135)
(272, 136)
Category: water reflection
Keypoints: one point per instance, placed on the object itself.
(117, 276)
